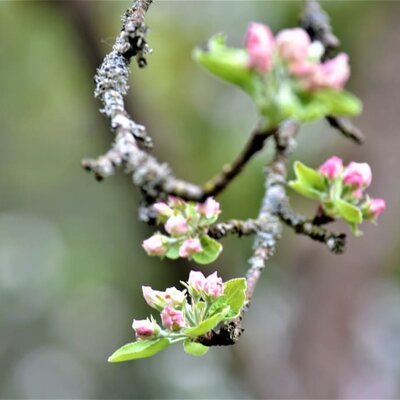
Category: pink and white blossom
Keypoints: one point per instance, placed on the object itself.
(376, 207)
(174, 297)
(332, 168)
(172, 319)
(162, 209)
(145, 329)
(260, 45)
(210, 208)
(190, 247)
(358, 175)
(293, 45)
(154, 298)
(196, 280)
(154, 245)
(214, 286)
(176, 225)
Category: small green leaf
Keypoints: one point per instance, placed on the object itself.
(173, 251)
(235, 294)
(339, 102)
(304, 190)
(210, 250)
(139, 349)
(348, 212)
(309, 177)
(227, 63)
(217, 306)
(207, 325)
(354, 230)
(309, 108)
(195, 349)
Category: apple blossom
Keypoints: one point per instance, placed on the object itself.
(214, 286)
(332, 168)
(196, 280)
(357, 175)
(145, 329)
(176, 225)
(190, 247)
(210, 208)
(154, 245)
(172, 319)
(293, 44)
(162, 209)
(260, 45)
(376, 207)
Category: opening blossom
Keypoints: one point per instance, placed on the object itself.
(376, 207)
(176, 225)
(172, 319)
(211, 286)
(357, 175)
(190, 247)
(154, 245)
(299, 53)
(332, 168)
(209, 209)
(260, 45)
(145, 329)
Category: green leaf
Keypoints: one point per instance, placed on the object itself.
(354, 230)
(235, 294)
(227, 63)
(207, 325)
(309, 108)
(217, 306)
(309, 177)
(348, 212)
(139, 349)
(173, 251)
(210, 250)
(195, 349)
(339, 102)
(304, 190)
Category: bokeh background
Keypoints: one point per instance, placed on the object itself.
(71, 262)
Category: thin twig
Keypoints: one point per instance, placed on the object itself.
(317, 24)
(336, 242)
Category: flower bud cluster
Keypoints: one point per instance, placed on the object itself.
(185, 223)
(349, 183)
(175, 310)
(301, 57)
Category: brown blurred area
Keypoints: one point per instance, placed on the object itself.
(71, 263)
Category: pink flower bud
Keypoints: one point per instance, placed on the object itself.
(260, 45)
(174, 297)
(214, 286)
(175, 202)
(190, 247)
(172, 319)
(376, 207)
(209, 209)
(357, 175)
(332, 167)
(145, 329)
(196, 280)
(154, 245)
(162, 209)
(335, 72)
(154, 298)
(176, 225)
(293, 44)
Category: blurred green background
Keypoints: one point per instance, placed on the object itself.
(71, 262)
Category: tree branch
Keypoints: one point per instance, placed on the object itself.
(317, 24)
